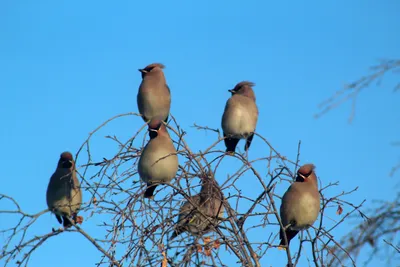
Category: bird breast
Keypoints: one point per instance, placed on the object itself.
(63, 193)
(302, 208)
(154, 99)
(240, 116)
(156, 163)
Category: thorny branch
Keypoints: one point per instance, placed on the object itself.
(135, 231)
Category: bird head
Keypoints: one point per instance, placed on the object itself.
(244, 88)
(152, 68)
(306, 174)
(210, 187)
(156, 127)
(66, 160)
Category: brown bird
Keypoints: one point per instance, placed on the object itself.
(158, 163)
(154, 96)
(300, 204)
(64, 196)
(240, 116)
(204, 210)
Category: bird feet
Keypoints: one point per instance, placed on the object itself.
(230, 153)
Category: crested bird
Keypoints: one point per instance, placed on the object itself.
(300, 204)
(158, 162)
(201, 212)
(154, 95)
(64, 196)
(240, 116)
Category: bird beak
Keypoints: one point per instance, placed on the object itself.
(142, 70)
(231, 91)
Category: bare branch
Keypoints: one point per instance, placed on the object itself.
(135, 231)
(351, 91)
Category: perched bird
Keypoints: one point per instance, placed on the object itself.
(154, 96)
(204, 210)
(240, 116)
(300, 204)
(64, 196)
(158, 163)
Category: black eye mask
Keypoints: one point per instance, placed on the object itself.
(301, 177)
(153, 134)
(67, 164)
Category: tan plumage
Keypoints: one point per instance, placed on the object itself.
(301, 203)
(158, 163)
(64, 196)
(154, 96)
(240, 116)
(209, 202)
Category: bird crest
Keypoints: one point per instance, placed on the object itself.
(154, 65)
(242, 84)
(306, 169)
(66, 156)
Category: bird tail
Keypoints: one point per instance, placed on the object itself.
(66, 222)
(248, 141)
(231, 144)
(59, 219)
(289, 235)
(150, 191)
(174, 234)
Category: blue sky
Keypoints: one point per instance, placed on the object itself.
(67, 66)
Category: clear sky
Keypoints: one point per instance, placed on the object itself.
(67, 66)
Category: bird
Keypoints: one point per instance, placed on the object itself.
(300, 204)
(158, 162)
(240, 116)
(64, 195)
(154, 95)
(198, 214)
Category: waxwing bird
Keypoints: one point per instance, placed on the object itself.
(154, 96)
(158, 163)
(64, 196)
(300, 204)
(201, 212)
(240, 116)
